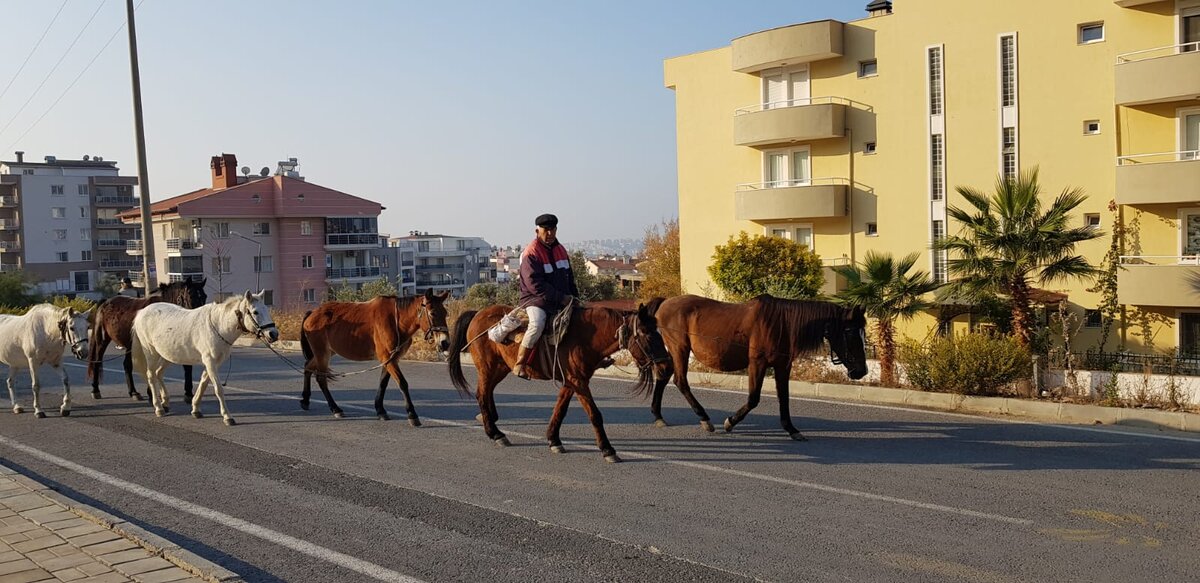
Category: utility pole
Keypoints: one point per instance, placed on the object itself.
(148, 273)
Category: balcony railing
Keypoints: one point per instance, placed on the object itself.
(106, 222)
(800, 102)
(134, 245)
(1159, 157)
(8, 201)
(360, 239)
(351, 272)
(1157, 52)
(10, 245)
(183, 244)
(179, 277)
(117, 200)
(9, 224)
(1159, 178)
(9, 267)
(753, 186)
(115, 244)
(443, 267)
(120, 264)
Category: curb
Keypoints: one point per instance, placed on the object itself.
(159, 546)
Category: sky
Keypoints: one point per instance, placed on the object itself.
(466, 118)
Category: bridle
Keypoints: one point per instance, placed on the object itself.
(846, 334)
(68, 335)
(258, 329)
(427, 314)
(629, 333)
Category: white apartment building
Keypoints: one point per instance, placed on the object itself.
(447, 262)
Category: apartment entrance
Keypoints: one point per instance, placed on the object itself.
(1189, 333)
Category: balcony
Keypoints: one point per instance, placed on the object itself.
(137, 278)
(338, 273)
(133, 247)
(8, 201)
(1160, 75)
(351, 241)
(794, 120)
(10, 245)
(1132, 3)
(834, 283)
(121, 201)
(445, 267)
(181, 277)
(9, 224)
(182, 246)
(786, 200)
(788, 45)
(119, 264)
(1159, 280)
(1163, 178)
(107, 222)
(9, 267)
(113, 244)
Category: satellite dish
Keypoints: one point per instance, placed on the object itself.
(245, 170)
(86, 157)
(264, 172)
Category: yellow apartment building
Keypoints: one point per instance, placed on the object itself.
(852, 136)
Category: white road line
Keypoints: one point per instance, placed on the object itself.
(705, 467)
(302, 546)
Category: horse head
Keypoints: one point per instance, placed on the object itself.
(639, 335)
(74, 328)
(254, 317)
(432, 319)
(847, 339)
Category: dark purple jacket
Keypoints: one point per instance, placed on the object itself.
(546, 276)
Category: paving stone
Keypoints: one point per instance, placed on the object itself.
(67, 562)
(111, 546)
(16, 566)
(41, 555)
(50, 519)
(93, 569)
(107, 578)
(65, 550)
(94, 538)
(15, 528)
(44, 514)
(28, 501)
(163, 576)
(80, 530)
(64, 524)
(14, 538)
(122, 556)
(8, 556)
(69, 575)
(26, 576)
(43, 542)
(144, 565)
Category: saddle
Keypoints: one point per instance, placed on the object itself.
(541, 359)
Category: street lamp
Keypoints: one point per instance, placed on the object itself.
(257, 272)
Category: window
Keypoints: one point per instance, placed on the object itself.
(937, 179)
(1091, 220)
(305, 228)
(221, 265)
(83, 281)
(1092, 319)
(61, 256)
(938, 232)
(262, 228)
(872, 229)
(85, 234)
(60, 234)
(83, 212)
(1008, 153)
(1091, 127)
(785, 87)
(786, 168)
(56, 189)
(58, 212)
(868, 68)
(423, 246)
(935, 81)
(328, 260)
(269, 297)
(1092, 32)
(85, 255)
(869, 148)
(1008, 71)
(27, 171)
(83, 189)
(306, 262)
(802, 234)
(221, 230)
(310, 295)
(264, 264)
(1189, 30)
(256, 199)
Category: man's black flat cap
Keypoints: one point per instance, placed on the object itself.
(546, 221)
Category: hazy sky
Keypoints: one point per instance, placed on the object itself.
(465, 118)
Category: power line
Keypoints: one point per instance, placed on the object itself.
(54, 68)
(33, 50)
(73, 82)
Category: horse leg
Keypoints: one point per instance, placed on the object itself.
(556, 419)
(187, 383)
(323, 382)
(306, 392)
(685, 389)
(65, 408)
(755, 371)
(584, 394)
(133, 392)
(37, 390)
(210, 367)
(12, 393)
(487, 404)
(154, 378)
(403, 382)
(203, 384)
(96, 366)
(782, 375)
(660, 383)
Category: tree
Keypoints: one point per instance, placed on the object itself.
(370, 290)
(660, 262)
(747, 266)
(14, 292)
(1008, 242)
(887, 291)
(482, 295)
(591, 287)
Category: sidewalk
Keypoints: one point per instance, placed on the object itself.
(41, 540)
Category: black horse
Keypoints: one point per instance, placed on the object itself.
(113, 321)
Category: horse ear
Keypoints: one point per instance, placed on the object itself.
(70, 311)
(429, 293)
(444, 294)
(249, 296)
(260, 294)
(856, 314)
(87, 314)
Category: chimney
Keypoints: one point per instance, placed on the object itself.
(879, 7)
(20, 157)
(224, 171)
(51, 159)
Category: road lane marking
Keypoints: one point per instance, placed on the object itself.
(301, 546)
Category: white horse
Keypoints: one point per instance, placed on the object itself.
(165, 332)
(38, 338)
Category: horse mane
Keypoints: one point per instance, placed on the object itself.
(805, 320)
(402, 302)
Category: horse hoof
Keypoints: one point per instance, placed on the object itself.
(479, 417)
(304, 405)
(384, 417)
(707, 426)
(17, 409)
(166, 409)
(65, 413)
(414, 421)
(558, 449)
(136, 397)
(728, 425)
(230, 422)
(96, 394)
(338, 414)
(40, 414)
(502, 442)
(612, 458)
(161, 413)
(197, 414)
(797, 436)
(660, 423)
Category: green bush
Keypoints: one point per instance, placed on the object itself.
(80, 305)
(746, 266)
(482, 295)
(966, 364)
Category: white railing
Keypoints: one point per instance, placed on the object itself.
(9, 223)
(1160, 260)
(753, 186)
(120, 264)
(1159, 157)
(133, 245)
(351, 272)
(835, 261)
(801, 102)
(8, 200)
(10, 245)
(9, 267)
(112, 244)
(179, 244)
(1157, 53)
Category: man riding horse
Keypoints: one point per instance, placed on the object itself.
(547, 284)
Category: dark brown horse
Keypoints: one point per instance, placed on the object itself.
(765, 332)
(381, 329)
(593, 335)
(113, 319)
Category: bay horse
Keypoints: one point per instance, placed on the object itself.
(593, 335)
(165, 332)
(114, 317)
(381, 329)
(38, 337)
(765, 332)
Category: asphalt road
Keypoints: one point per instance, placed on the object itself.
(877, 494)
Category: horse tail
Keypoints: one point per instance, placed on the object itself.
(99, 338)
(458, 343)
(139, 356)
(304, 345)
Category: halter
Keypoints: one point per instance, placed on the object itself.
(627, 334)
(425, 312)
(833, 357)
(68, 335)
(258, 330)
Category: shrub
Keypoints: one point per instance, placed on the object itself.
(966, 364)
(746, 266)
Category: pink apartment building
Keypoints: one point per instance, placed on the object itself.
(278, 232)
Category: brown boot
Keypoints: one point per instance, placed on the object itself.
(522, 357)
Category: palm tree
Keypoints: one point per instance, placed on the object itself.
(887, 291)
(1008, 242)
